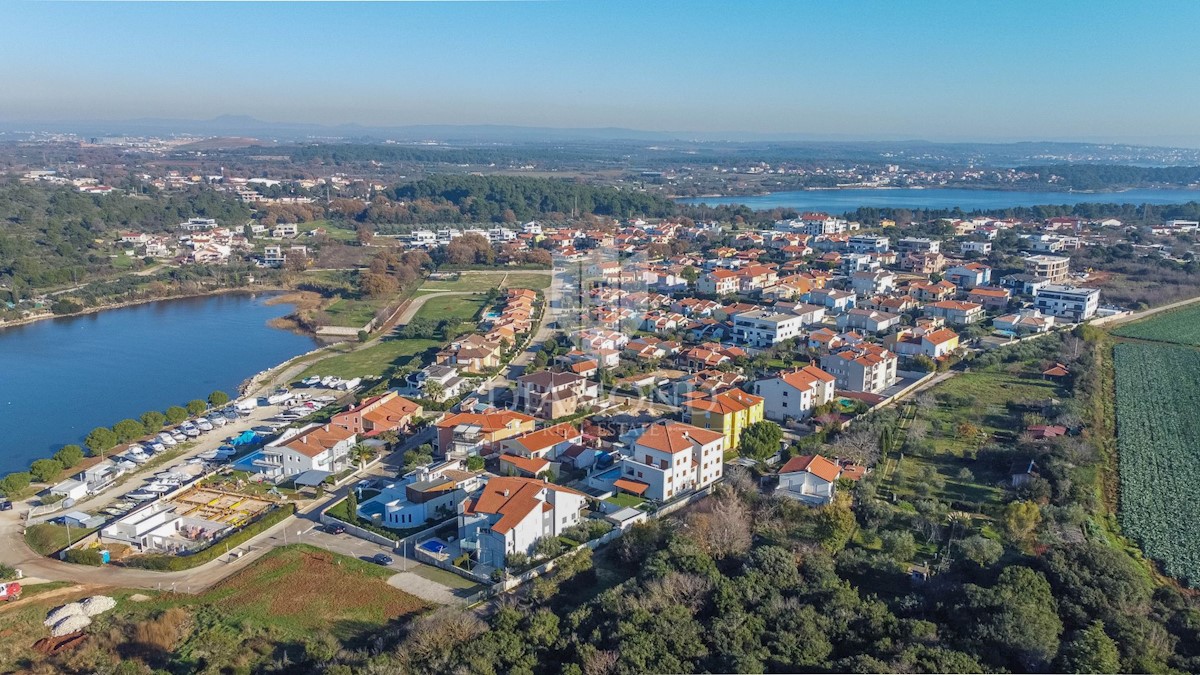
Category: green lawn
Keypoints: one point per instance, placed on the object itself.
(352, 313)
(624, 499)
(461, 307)
(441, 576)
(482, 281)
(335, 233)
(371, 361)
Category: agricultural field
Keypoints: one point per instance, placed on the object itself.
(1180, 326)
(372, 360)
(1158, 440)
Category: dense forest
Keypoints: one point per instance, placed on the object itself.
(55, 236)
(505, 198)
(1108, 176)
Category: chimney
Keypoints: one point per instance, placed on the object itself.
(505, 492)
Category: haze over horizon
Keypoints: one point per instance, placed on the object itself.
(769, 70)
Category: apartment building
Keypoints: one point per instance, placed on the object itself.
(1052, 268)
(863, 367)
(1067, 302)
(794, 394)
(669, 459)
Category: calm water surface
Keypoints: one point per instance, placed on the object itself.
(61, 378)
(841, 201)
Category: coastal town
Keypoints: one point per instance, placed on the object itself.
(573, 338)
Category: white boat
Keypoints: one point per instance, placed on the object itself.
(179, 436)
(124, 464)
(204, 425)
(142, 495)
(136, 456)
(327, 381)
(208, 456)
(231, 414)
(218, 420)
(158, 488)
(311, 381)
(167, 439)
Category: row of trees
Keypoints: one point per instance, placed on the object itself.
(103, 439)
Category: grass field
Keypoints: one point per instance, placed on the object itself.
(1158, 443)
(286, 597)
(460, 307)
(482, 281)
(371, 361)
(352, 313)
(1180, 326)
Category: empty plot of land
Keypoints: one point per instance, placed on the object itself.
(482, 281)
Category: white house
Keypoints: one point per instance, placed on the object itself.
(864, 367)
(762, 328)
(313, 448)
(1067, 302)
(794, 394)
(1024, 322)
(869, 320)
(669, 459)
(811, 479)
(511, 514)
(427, 493)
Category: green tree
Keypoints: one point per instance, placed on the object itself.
(46, 470)
(153, 421)
(69, 455)
(196, 407)
(15, 483)
(434, 391)
(128, 430)
(176, 414)
(475, 463)
(415, 458)
(1021, 520)
(352, 507)
(1092, 651)
(760, 440)
(218, 398)
(363, 453)
(1018, 616)
(980, 550)
(902, 546)
(835, 525)
(100, 439)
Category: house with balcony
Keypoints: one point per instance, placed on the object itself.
(728, 412)
(445, 380)
(550, 395)
(428, 493)
(954, 312)
(934, 344)
(869, 320)
(1024, 322)
(793, 394)
(862, 367)
(467, 434)
(669, 459)
(312, 448)
(969, 275)
(811, 479)
(511, 514)
(377, 414)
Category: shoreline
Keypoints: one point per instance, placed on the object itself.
(142, 301)
(1113, 191)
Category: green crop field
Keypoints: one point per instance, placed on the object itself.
(1158, 395)
(1181, 326)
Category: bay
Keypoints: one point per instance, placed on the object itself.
(60, 378)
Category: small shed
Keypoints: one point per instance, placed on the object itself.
(81, 519)
(627, 517)
(70, 489)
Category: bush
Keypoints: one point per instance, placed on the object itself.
(46, 470)
(15, 483)
(177, 563)
(176, 414)
(196, 406)
(153, 421)
(7, 571)
(592, 528)
(84, 556)
(474, 463)
(218, 399)
(69, 455)
(128, 430)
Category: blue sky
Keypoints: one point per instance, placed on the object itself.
(936, 70)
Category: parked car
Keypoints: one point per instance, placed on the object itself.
(5, 505)
(382, 559)
(336, 529)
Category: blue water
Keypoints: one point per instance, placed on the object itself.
(841, 201)
(61, 378)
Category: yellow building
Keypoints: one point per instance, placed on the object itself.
(728, 412)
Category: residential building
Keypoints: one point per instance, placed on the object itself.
(763, 328)
(873, 283)
(198, 224)
(869, 320)
(980, 247)
(669, 459)
(955, 312)
(923, 263)
(867, 243)
(466, 434)
(1067, 302)
(435, 382)
(832, 299)
(511, 514)
(728, 412)
(719, 281)
(811, 479)
(550, 395)
(313, 448)
(793, 394)
(428, 493)
(934, 344)
(1024, 322)
(863, 367)
(970, 275)
(992, 298)
(377, 414)
(918, 245)
(1052, 268)
(546, 443)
